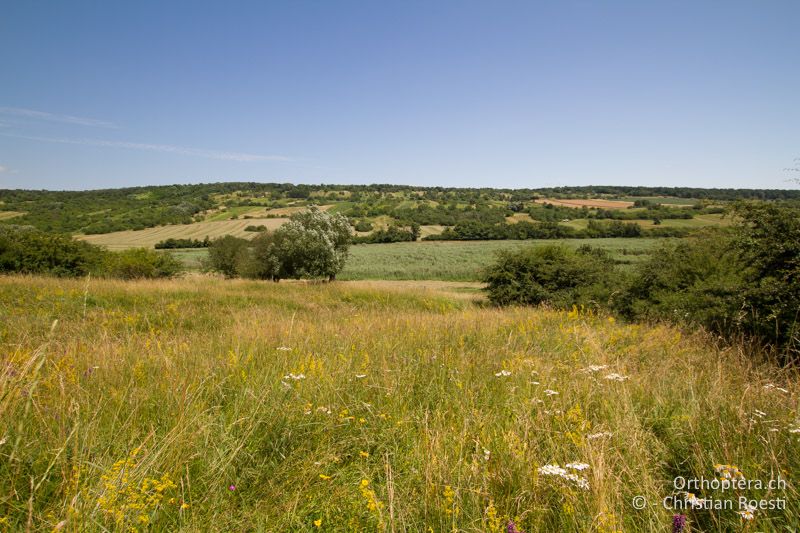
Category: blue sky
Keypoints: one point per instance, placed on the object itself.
(463, 93)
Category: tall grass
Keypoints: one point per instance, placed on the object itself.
(233, 405)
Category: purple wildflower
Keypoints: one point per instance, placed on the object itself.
(232, 488)
(512, 528)
(678, 523)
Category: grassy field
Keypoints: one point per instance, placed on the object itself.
(119, 240)
(246, 406)
(6, 215)
(699, 221)
(445, 260)
(461, 260)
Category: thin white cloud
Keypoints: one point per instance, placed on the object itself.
(168, 148)
(3, 169)
(53, 117)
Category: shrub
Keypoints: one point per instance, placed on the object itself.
(169, 244)
(550, 274)
(226, 253)
(393, 233)
(698, 280)
(29, 251)
(363, 225)
(745, 280)
(140, 263)
(260, 227)
(262, 260)
(768, 242)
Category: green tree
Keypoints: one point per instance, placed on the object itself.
(226, 253)
(312, 244)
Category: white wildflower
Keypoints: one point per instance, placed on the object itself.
(577, 466)
(594, 368)
(294, 377)
(550, 392)
(555, 470)
(600, 435)
(360, 376)
(694, 501)
(283, 349)
(503, 373)
(551, 470)
(616, 377)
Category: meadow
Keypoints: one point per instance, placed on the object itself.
(205, 404)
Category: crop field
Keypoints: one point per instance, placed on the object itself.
(594, 202)
(697, 222)
(233, 406)
(120, 240)
(447, 260)
(670, 201)
(462, 260)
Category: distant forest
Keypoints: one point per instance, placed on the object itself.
(107, 210)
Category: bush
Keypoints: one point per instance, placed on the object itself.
(262, 259)
(140, 263)
(225, 254)
(768, 242)
(393, 233)
(29, 251)
(170, 244)
(698, 281)
(550, 274)
(260, 227)
(363, 225)
(743, 281)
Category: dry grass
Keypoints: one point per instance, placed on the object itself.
(596, 202)
(349, 408)
(5, 215)
(120, 240)
(519, 217)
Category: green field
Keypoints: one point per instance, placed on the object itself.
(699, 221)
(446, 260)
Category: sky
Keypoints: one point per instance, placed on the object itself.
(463, 93)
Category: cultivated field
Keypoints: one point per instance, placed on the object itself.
(699, 221)
(463, 260)
(594, 202)
(246, 406)
(120, 240)
(446, 260)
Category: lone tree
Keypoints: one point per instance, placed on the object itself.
(312, 244)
